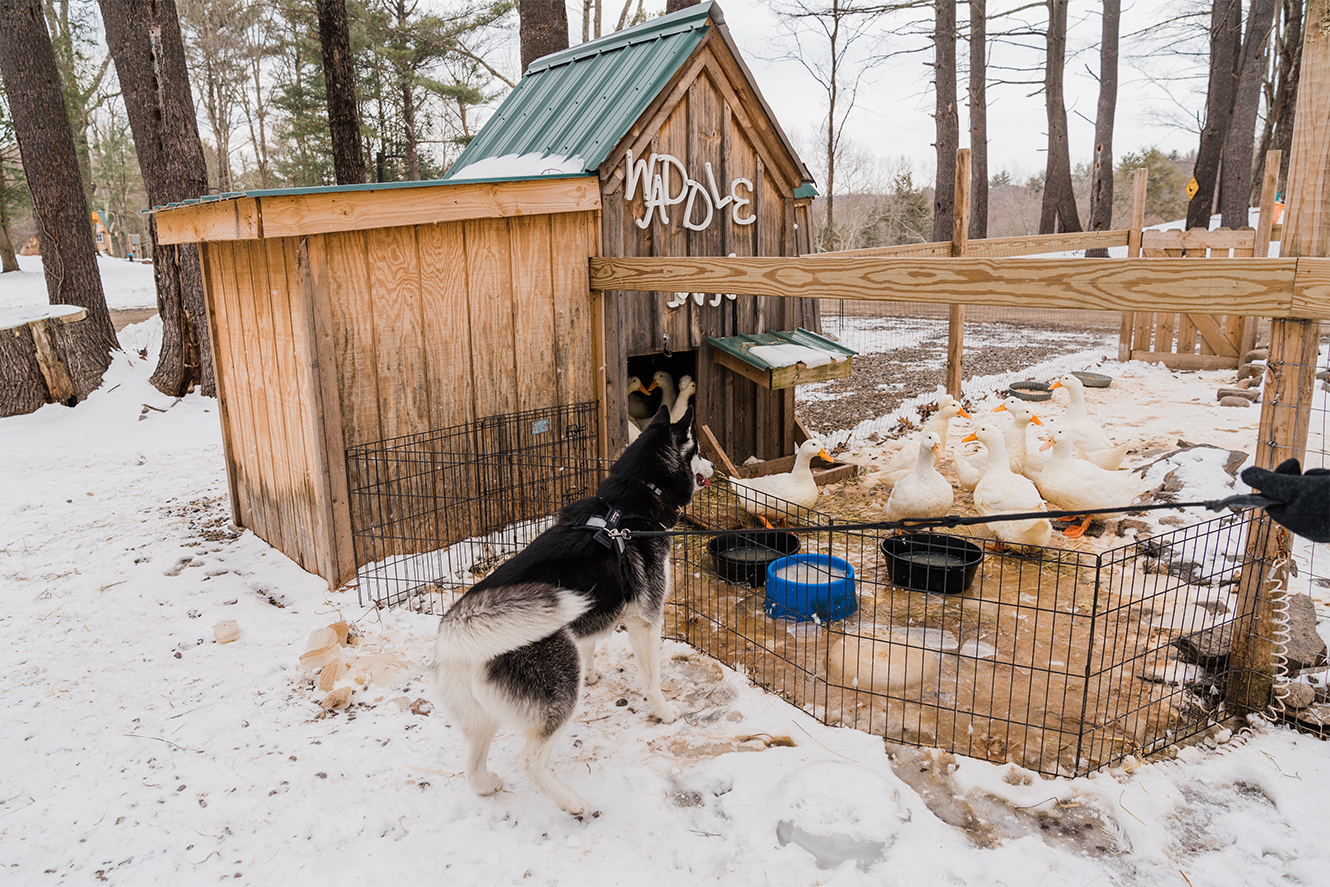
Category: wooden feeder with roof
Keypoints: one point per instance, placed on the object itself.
(342, 316)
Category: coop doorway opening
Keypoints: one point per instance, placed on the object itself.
(655, 379)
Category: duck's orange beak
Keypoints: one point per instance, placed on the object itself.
(999, 408)
(650, 388)
(1035, 420)
(937, 453)
(1057, 384)
(823, 454)
(1047, 444)
(965, 414)
(969, 438)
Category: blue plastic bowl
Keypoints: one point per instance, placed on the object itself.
(828, 601)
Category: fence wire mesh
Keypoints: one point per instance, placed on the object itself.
(434, 512)
(1061, 661)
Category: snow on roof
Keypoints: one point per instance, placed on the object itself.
(509, 166)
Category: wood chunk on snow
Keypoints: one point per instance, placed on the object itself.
(312, 660)
(329, 674)
(320, 638)
(339, 698)
(226, 631)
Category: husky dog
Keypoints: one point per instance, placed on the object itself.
(515, 648)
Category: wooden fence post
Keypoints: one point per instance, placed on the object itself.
(960, 239)
(1139, 180)
(1291, 366)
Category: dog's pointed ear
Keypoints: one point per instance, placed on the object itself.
(686, 420)
(662, 417)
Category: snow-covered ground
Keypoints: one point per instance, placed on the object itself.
(126, 284)
(137, 749)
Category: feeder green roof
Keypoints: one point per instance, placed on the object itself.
(572, 107)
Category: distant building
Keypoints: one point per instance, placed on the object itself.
(101, 233)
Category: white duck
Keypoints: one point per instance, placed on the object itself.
(669, 392)
(1071, 484)
(639, 405)
(1000, 491)
(923, 492)
(903, 461)
(759, 495)
(969, 468)
(1089, 436)
(687, 388)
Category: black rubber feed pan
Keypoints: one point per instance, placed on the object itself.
(1030, 390)
(1093, 380)
(744, 557)
(932, 562)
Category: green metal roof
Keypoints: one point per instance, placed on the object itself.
(577, 104)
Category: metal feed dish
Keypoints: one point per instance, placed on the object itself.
(744, 557)
(932, 562)
(1093, 380)
(810, 586)
(1029, 389)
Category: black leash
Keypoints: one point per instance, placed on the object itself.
(1235, 503)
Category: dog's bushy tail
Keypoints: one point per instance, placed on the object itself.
(491, 621)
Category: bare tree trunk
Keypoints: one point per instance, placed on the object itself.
(946, 118)
(409, 134)
(1242, 128)
(8, 261)
(144, 38)
(1225, 37)
(833, 91)
(1101, 186)
(543, 28)
(339, 74)
(1281, 93)
(676, 5)
(978, 120)
(1058, 212)
(50, 161)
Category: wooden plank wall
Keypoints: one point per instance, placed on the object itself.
(270, 423)
(706, 124)
(351, 338)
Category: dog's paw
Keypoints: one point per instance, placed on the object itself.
(665, 712)
(592, 676)
(486, 783)
(572, 804)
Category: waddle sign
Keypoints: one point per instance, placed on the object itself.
(658, 192)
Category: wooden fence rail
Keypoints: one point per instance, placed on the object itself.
(1275, 288)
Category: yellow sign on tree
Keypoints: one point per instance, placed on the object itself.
(1192, 188)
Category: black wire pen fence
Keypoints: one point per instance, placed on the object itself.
(1060, 660)
(433, 513)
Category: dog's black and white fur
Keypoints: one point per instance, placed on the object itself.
(515, 648)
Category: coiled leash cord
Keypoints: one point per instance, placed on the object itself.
(1234, 503)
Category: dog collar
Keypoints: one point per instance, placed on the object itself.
(655, 489)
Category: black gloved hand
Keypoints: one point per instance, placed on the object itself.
(1303, 499)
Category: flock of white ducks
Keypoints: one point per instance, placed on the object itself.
(1007, 475)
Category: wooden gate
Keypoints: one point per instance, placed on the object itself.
(1194, 341)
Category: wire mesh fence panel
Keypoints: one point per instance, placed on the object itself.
(1060, 661)
(432, 513)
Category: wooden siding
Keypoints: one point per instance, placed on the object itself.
(705, 117)
(338, 339)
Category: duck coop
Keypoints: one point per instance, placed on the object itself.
(342, 317)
